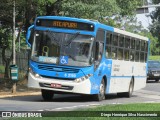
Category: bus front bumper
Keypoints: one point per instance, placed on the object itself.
(59, 85)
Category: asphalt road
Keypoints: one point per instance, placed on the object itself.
(151, 93)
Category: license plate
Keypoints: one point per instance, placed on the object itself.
(55, 85)
(156, 74)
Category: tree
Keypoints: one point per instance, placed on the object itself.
(155, 27)
(5, 39)
(98, 9)
(5, 32)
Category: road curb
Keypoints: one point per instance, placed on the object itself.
(20, 94)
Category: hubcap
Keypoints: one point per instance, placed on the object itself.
(102, 90)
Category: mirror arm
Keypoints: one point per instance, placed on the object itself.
(29, 34)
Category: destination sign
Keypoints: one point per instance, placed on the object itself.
(65, 24)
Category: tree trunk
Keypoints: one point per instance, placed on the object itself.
(6, 61)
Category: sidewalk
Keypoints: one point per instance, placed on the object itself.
(20, 91)
(26, 93)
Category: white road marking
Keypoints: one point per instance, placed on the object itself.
(70, 108)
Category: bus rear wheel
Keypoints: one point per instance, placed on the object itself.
(101, 95)
(130, 91)
(47, 95)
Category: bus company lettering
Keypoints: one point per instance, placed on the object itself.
(116, 68)
(65, 24)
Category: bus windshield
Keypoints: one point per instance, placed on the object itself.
(49, 47)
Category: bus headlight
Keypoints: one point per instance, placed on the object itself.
(35, 74)
(82, 78)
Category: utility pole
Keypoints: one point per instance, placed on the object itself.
(14, 46)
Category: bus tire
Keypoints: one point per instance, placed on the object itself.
(157, 80)
(130, 90)
(101, 95)
(47, 95)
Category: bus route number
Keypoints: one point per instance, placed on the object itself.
(70, 75)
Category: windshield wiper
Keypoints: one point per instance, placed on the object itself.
(71, 39)
(54, 38)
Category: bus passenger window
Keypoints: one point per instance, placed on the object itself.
(120, 54)
(108, 52)
(142, 56)
(127, 42)
(132, 44)
(115, 40)
(114, 52)
(109, 39)
(126, 55)
(132, 55)
(142, 45)
(146, 55)
(146, 46)
(137, 45)
(121, 41)
(137, 56)
(99, 51)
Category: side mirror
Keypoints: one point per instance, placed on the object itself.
(28, 35)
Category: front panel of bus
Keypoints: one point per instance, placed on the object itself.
(62, 56)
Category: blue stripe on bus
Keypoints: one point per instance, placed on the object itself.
(127, 76)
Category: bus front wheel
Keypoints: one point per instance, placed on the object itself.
(101, 95)
(47, 95)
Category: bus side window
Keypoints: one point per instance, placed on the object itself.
(142, 55)
(120, 54)
(114, 53)
(99, 45)
(115, 40)
(132, 43)
(108, 44)
(137, 44)
(132, 55)
(126, 54)
(137, 56)
(121, 41)
(99, 51)
(146, 46)
(109, 38)
(127, 42)
(142, 45)
(108, 52)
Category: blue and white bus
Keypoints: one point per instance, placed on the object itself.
(72, 55)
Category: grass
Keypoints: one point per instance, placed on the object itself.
(95, 113)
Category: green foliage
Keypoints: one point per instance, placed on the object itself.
(90, 9)
(155, 27)
(5, 37)
(154, 48)
(128, 7)
(154, 57)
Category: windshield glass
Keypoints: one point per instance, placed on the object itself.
(62, 48)
(154, 64)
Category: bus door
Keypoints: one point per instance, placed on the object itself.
(98, 54)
